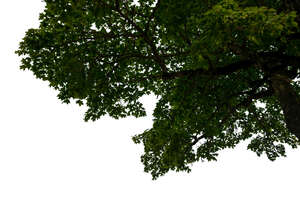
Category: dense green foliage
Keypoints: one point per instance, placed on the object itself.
(209, 62)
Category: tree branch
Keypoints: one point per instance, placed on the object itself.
(224, 70)
(245, 103)
(152, 15)
(145, 37)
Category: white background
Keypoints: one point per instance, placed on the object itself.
(52, 163)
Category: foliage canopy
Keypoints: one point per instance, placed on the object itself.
(209, 62)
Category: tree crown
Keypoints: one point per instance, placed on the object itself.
(208, 62)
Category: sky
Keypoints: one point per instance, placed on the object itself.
(52, 163)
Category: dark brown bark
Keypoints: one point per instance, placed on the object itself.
(289, 101)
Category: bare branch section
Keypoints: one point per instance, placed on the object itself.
(225, 70)
(289, 101)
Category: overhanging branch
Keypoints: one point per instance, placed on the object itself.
(224, 70)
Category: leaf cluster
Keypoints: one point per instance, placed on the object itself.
(209, 63)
